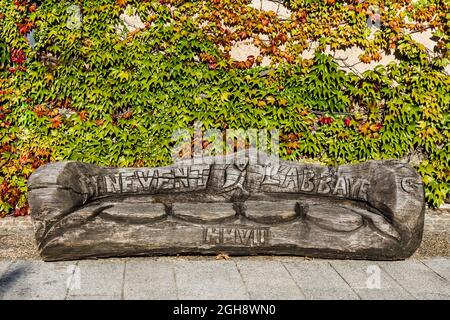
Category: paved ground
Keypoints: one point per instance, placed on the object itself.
(237, 278)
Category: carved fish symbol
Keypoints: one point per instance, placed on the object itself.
(409, 184)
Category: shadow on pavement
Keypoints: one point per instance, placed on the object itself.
(10, 277)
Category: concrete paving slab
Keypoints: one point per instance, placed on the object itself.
(418, 279)
(369, 281)
(439, 265)
(94, 298)
(4, 266)
(318, 280)
(98, 278)
(240, 278)
(150, 279)
(268, 280)
(29, 280)
(209, 280)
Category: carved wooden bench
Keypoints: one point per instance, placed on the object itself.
(246, 203)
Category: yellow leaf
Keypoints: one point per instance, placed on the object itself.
(431, 131)
(222, 256)
(224, 96)
(270, 100)
(427, 179)
(48, 77)
(283, 102)
(124, 75)
(261, 103)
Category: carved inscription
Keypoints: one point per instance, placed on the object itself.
(249, 237)
(152, 180)
(409, 184)
(322, 182)
(193, 178)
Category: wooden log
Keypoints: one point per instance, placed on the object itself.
(246, 203)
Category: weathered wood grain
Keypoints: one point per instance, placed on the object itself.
(246, 203)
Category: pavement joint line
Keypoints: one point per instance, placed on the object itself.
(69, 285)
(397, 282)
(293, 280)
(243, 280)
(353, 287)
(434, 271)
(345, 280)
(122, 293)
(175, 279)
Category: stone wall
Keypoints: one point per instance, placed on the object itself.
(438, 221)
(19, 225)
(348, 59)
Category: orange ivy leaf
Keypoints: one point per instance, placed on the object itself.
(121, 3)
(364, 128)
(56, 122)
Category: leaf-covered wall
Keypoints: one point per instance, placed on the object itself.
(109, 81)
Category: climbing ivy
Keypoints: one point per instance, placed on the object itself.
(105, 94)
